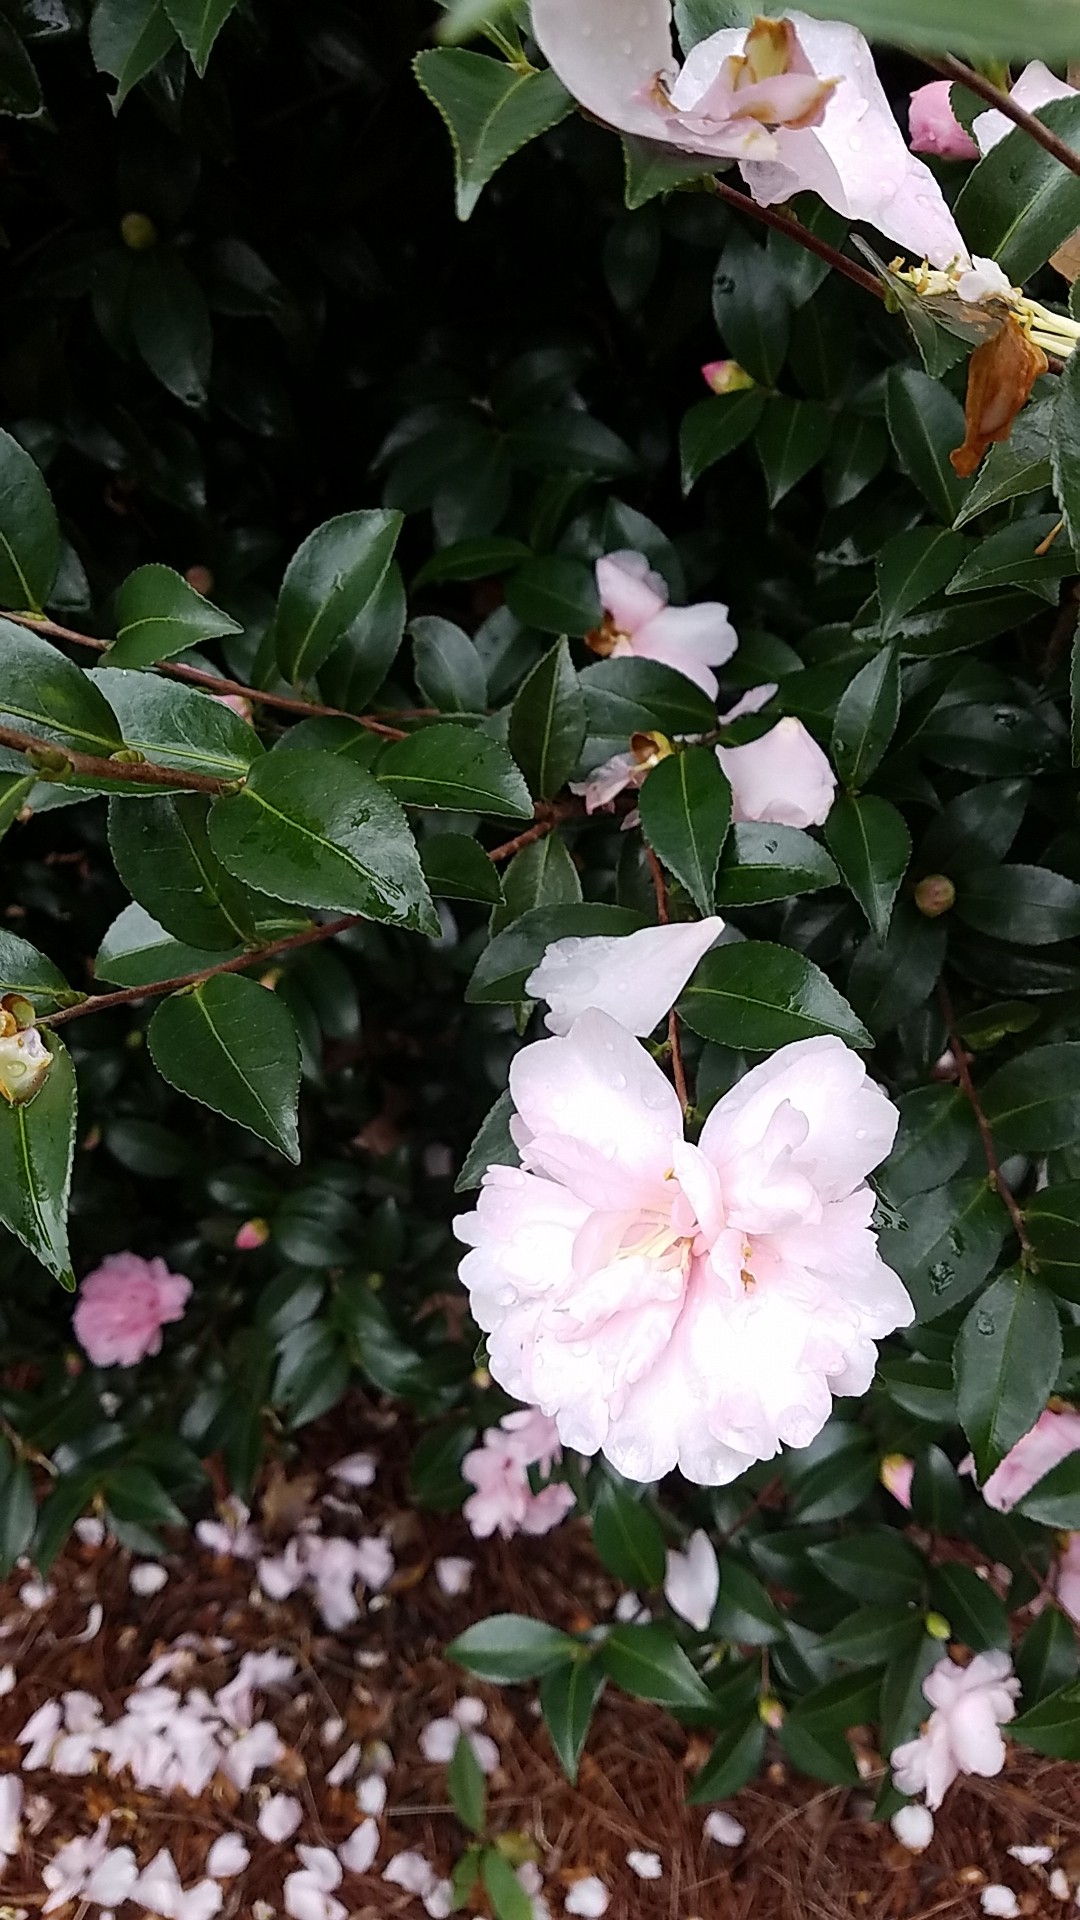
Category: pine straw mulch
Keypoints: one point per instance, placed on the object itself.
(809, 1854)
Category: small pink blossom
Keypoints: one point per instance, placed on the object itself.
(726, 376)
(783, 777)
(672, 1304)
(639, 624)
(635, 977)
(504, 1498)
(933, 126)
(253, 1234)
(896, 1474)
(1052, 1439)
(962, 1735)
(692, 1581)
(123, 1306)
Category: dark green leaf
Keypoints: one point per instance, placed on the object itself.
(870, 843)
(489, 110)
(1044, 29)
(652, 168)
(314, 828)
(466, 1786)
(871, 1635)
(568, 1696)
(449, 671)
(476, 559)
(158, 614)
(649, 1664)
(972, 1608)
(232, 1045)
(170, 323)
(1048, 1657)
(198, 23)
(18, 1508)
(176, 726)
(127, 39)
(628, 696)
(756, 995)
(164, 857)
(25, 971)
(866, 718)
(44, 694)
(858, 450)
(935, 1137)
(509, 1900)
(1052, 1217)
(20, 88)
(926, 423)
(1053, 1725)
(362, 659)
(1014, 467)
(744, 1611)
(457, 768)
(555, 594)
(1006, 1361)
(1031, 905)
(835, 1485)
(751, 307)
(628, 1537)
(1020, 203)
(735, 1759)
(761, 862)
(1065, 439)
(509, 1647)
(951, 1240)
(328, 583)
(685, 814)
(37, 1147)
(889, 978)
(911, 568)
(877, 1566)
(492, 1146)
(540, 875)
(456, 868)
(1033, 1102)
(30, 542)
(813, 1732)
(1055, 1499)
(979, 825)
(1009, 558)
(547, 723)
(791, 437)
(713, 428)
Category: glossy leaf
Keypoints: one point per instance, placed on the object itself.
(508, 1647)
(42, 693)
(30, 542)
(449, 671)
(870, 843)
(1052, 1217)
(313, 828)
(751, 307)
(685, 813)
(1039, 29)
(762, 862)
(628, 1537)
(1031, 905)
(457, 768)
(328, 583)
(500, 972)
(159, 614)
(926, 423)
(648, 1663)
(568, 1697)
(911, 568)
(1033, 1102)
(198, 23)
(127, 39)
(735, 1759)
(175, 726)
(1014, 467)
(231, 1044)
(489, 110)
(1007, 1359)
(37, 1148)
(547, 723)
(935, 1137)
(756, 995)
(456, 868)
(165, 859)
(1020, 203)
(25, 971)
(791, 437)
(713, 428)
(555, 594)
(630, 696)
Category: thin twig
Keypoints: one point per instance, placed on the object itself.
(127, 996)
(674, 1038)
(549, 814)
(194, 677)
(997, 1178)
(137, 773)
(787, 224)
(954, 69)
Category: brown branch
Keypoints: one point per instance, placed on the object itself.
(136, 773)
(954, 69)
(213, 683)
(970, 1091)
(127, 996)
(549, 813)
(674, 1040)
(787, 224)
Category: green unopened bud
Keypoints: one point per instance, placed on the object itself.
(935, 895)
(517, 1848)
(128, 757)
(50, 763)
(138, 232)
(937, 1626)
(770, 1711)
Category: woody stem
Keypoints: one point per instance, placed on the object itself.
(954, 69)
(678, 1069)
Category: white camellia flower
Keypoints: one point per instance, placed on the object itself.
(674, 1305)
(963, 1734)
(616, 58)
(634, 977)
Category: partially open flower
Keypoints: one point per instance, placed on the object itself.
(638, 622)
(123, 1306)
(749, 94)
(933, 126)
(25, 1060)
(1052, 1439)
(962, 1735)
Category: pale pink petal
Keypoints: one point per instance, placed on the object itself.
(606, 782)
(1068, 1579)
(691, 640)
(635, 978)
(647, 1866)
(357, 1470)
(933, 126)
(453, 1572)
(692, 1581)
(1052, 1439)
(751, 701)
(1035, 88)
(588, 1898)
(724, 1828)
(279, 1817)
(123, 1306)
(783, 777)
(227, 1857)
(913, 1827)
(357, 1854)
(631, 593)
(606, 54)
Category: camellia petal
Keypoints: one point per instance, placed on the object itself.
(692, 1580)
(692, 640)
(635, 977)
(783, 777)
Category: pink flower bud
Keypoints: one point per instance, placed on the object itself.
(726, 376)
(253, 1233)
(933, 126)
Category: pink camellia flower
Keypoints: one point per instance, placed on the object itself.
(784, 777)
(962, 1734)
(504, 1498)
(933, 126)
(676, 1305)
(1035, 88)
(639, 623)
(123, 1306)
(1053, 1437)
(636, 977)
(1067, 1578)
(726, 376)
(617, 61)
(692, 1580)
(623, 770)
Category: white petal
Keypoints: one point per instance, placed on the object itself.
(588, 1898)
(692, 1581)
(147, 1578)
(606, 52)
(358, 1852)
(913, 1827)
(724, 1828)
(279, 1817)
(227, 1857)
(647, 1866)
(636, 978)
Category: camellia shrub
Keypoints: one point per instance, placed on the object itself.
(573, 711)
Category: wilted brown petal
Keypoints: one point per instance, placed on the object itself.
(1001, 374)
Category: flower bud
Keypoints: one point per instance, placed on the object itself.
(128, 757)
(253, 1233)
(726, 376)
(200, 579)
(138, 232)
(25, 1060)
(937, 1626)
(770, 1711)
(935, 895)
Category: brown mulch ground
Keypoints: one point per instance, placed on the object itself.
(809, 1851)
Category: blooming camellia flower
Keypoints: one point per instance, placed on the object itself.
(636, 977)
(638, 622)
(933, 126)
(692, 1580)
(677, 1305)
(784, 777)
(123, 1306)
(25, 1060)
(1053, 1437)
(617, 61)
(962, 1734)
